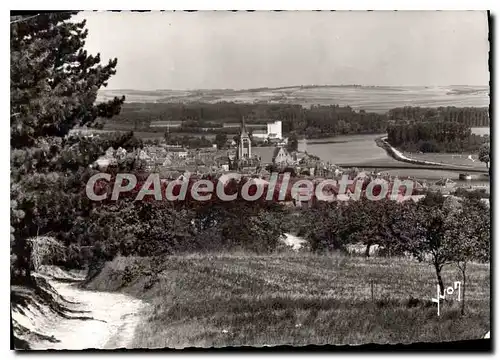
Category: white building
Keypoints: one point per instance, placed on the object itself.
(260, 134)
(273, 131)
(275, 128)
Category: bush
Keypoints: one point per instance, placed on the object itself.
(428, 146)
(475, 194)
(75, 258)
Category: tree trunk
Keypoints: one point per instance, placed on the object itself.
(463, 269)
(440, 279)
(367, 251)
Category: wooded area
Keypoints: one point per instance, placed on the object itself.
(315, 122)
(434, 137)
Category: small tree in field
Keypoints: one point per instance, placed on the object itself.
(468, 238)
(484, 154)
(427, 242)
(449, 233)
(382, 223)
(328, 226)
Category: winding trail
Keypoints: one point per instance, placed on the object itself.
(98, 320)
(294, 241)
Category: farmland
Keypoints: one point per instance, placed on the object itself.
(288, 298)
(332, 111)
(369, 98)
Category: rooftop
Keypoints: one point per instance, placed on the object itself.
(265, 154)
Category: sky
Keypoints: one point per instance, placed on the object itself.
(241, 50)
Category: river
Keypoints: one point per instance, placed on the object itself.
(362, 149)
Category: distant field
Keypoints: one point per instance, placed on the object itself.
(377, 99)
(289, 298)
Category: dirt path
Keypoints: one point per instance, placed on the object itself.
(104, 320)
(294, 241)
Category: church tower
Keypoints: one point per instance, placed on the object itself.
(245, 145)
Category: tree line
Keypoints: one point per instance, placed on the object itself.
(435, 230)
(314, 122)
(469, 116)
(434, 136)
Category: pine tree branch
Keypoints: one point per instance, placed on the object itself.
(24, 19)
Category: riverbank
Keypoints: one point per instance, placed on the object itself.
(399, 156)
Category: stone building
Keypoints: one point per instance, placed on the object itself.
(244, 143)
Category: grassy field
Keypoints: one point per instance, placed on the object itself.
(450, 159)
(239, 299)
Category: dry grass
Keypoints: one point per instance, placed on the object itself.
(237, 299)
(44, 249)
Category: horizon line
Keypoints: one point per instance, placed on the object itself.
(292, 86)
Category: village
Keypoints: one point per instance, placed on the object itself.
(174, 162)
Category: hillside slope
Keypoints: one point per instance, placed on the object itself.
(241, 299)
